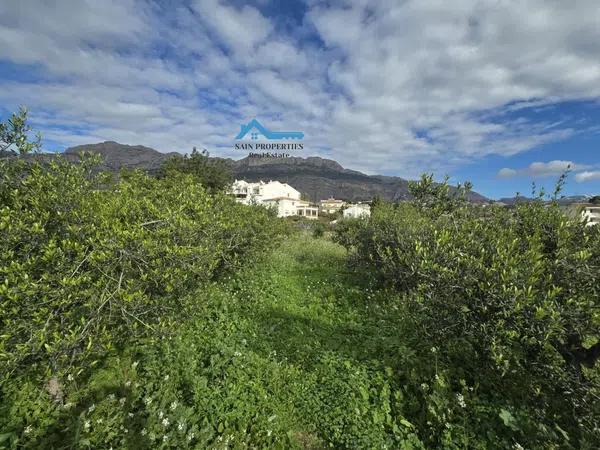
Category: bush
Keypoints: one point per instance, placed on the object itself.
(318, 230)
(214, 174)
(88, 265)
(510, 300)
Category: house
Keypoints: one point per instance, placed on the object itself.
(274, 194)
(255, 128)
(587, 211)
(285, 206)
(331, 205)
(256, 193)
(358, 210)
(305, 209)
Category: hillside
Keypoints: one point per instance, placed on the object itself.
(319, 178)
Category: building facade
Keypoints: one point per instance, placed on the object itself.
(331, 205)
(591, 213)
(357, 211)
(280, 196)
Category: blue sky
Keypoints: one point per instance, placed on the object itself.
(501, 93)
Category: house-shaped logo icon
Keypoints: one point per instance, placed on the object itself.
(256, 129)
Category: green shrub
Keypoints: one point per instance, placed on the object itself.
(509, 298)
(86, 265)
(318, 229)
(213, 173)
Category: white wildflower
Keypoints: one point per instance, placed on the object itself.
(165, 437)
(144, 432)
(180, 426)
(147, 401)
(461, 400)
(92, 408)
(191, 436)
(130, 414)
(70, 377)
(160, 414)
(28, 429)
(236, 354)
(269, 432)
(127, 383)
(99, 421)
(166, 377)
(86, 425)
(173, 406)
(165, 422)
(111, 397)
(122, 400)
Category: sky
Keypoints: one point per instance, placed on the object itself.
(499, 92)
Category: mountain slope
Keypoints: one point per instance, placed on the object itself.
(319, 178)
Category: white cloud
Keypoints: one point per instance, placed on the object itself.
(507, 173)
(550, 168)
(587, 176)
(542, 169)
(380, 86)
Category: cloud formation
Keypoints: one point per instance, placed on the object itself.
(552, 168)
(587, 176)
(381, 86)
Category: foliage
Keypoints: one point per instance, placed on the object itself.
(247, 370)
(508, 299)
(87, 265)
(318, 229)
(15, 132)
(214, 174)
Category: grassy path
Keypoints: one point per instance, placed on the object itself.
(320, 345)
(294, 353)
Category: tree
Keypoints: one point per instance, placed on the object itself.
(212, 173)
(15, 132)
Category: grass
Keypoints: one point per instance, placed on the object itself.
(296, 352)
(293, 353)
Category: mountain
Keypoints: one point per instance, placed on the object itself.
(116, 156)
(316, 177)
(321, 178)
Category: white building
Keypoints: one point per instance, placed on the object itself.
(256, 193)
(281, 196)
(359, 210)
(331, 205)
(591, 213)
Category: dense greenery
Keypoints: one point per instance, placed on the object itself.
(144, 312)
(214, 174)
(506, 303)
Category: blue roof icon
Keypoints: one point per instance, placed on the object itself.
(271, 135)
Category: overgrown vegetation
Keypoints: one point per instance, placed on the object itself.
(145, 312)
(505, 302)
(212, 173)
